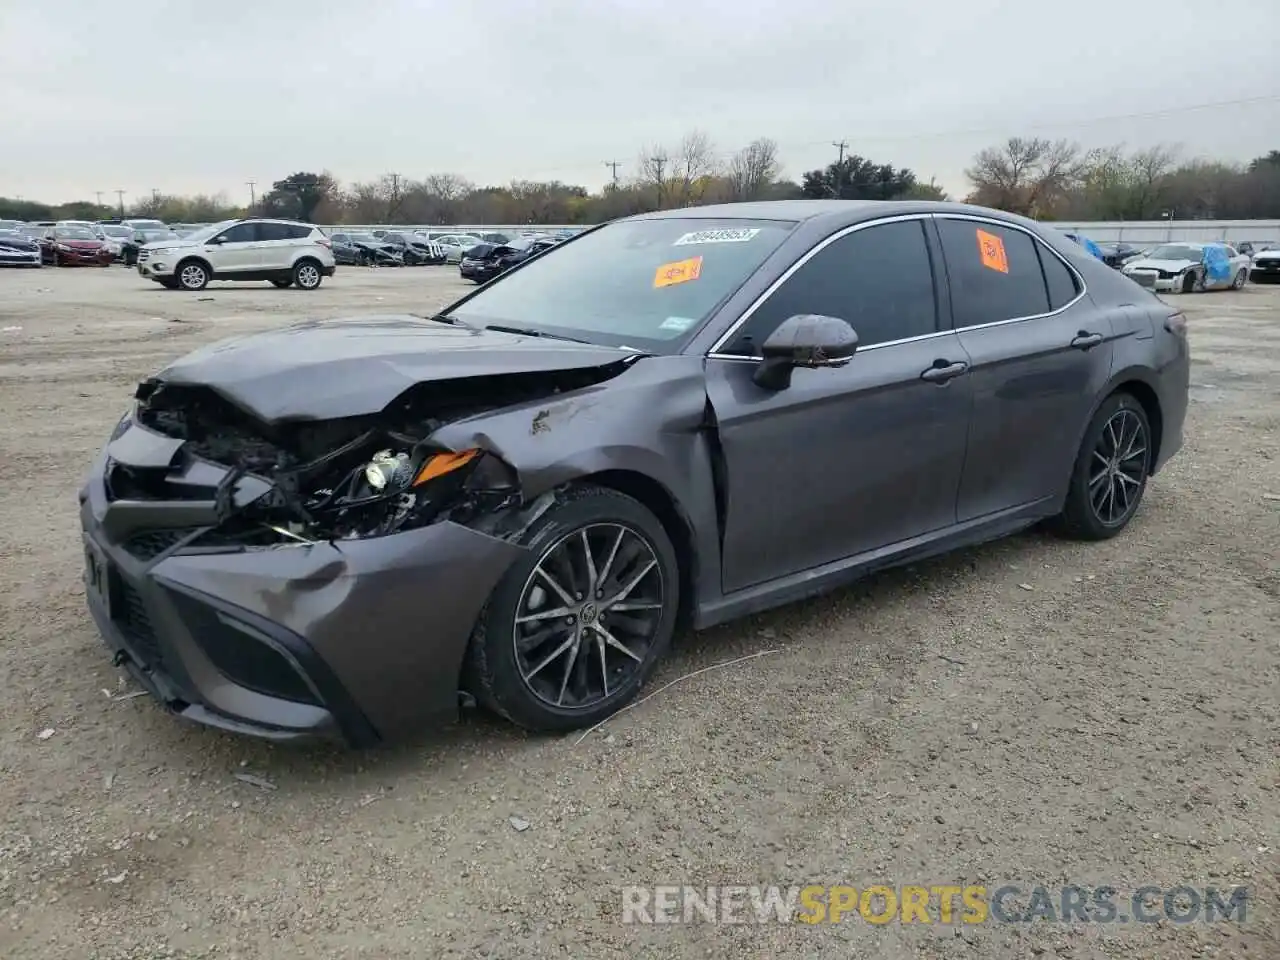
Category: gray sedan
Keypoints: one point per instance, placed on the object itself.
(674, 419)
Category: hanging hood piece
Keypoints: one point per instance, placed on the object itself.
(349, 368)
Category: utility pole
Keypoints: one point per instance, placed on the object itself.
(614, 165)
(253, 195)
(659, 165)
(841, 146)
(393, 202)
(98, 194)
(155, 195)
(120, 200)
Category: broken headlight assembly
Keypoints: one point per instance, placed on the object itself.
(352, 494)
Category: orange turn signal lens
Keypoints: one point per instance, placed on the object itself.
(443, 463)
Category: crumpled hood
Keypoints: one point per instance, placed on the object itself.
(1175, 266)
(322, 370)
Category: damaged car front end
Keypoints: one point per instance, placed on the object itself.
(261, 564)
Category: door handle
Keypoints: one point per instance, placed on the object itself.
(942, 371)
(1085, 340)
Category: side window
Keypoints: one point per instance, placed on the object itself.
(240, 233)
(1063, 286)
(994, 272)
(274, 231)
(339, 238)
(299, 231)
(878, 279)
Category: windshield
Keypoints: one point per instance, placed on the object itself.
(6, 234)
(148, 225)
(641, 283)
(1174, 251)
(363, 237)
(74, 233)
(117, 231)
(204, 233)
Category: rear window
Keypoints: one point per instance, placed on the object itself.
(648, 284)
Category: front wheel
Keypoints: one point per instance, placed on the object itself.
(573, 630)
(1241, 277)
(1111, 471)
(192, 275)
(306, 275)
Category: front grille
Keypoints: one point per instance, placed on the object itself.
(144, 255)
(130, 614)
(1144, 279)
(149, 544)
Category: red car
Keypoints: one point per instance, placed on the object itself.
(73, 246)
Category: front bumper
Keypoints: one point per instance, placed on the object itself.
(1266, 271)
(1153, 281)
(84, 257)
(361, 640)
(20, 258)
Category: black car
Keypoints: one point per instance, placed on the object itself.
(18, 250)
(1118, 254)
(416, 251)
(485, 261)
(364, 250)
(129, 248)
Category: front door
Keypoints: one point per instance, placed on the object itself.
(1040, 353)
(237, 251)
(848, 459)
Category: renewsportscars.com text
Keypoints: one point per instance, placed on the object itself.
(934, 904)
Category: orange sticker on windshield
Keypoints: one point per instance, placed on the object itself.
(991, 249)
(678, 271)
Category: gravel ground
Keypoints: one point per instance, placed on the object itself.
(1031, 711)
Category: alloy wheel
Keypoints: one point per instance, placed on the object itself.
(588, 615)
(1118, 468)
(193, 276)
(308, 276)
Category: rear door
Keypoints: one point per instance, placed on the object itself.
(277, 243)
(1040, 351)
(844, 460)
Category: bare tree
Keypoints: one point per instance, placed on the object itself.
(1150, 169)
(693, 165)
(1027, 176)
(753, 169)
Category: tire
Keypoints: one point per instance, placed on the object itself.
(307, 275)
(1241, 278)
(1085, 515)
(192, 275)
(282, 284)
(496, 672)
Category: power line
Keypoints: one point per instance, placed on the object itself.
(842, 146)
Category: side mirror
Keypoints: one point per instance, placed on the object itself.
(805, 340)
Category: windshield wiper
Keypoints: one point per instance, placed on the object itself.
(450, 320)
(531, 332)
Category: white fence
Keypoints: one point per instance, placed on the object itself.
(1155, 231)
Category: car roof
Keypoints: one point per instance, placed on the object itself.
(835, 213)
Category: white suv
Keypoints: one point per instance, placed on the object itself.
(286, 252)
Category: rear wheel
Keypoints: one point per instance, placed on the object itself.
(573, 630)
(1241, 277)
(1111, 471)
(306, 275)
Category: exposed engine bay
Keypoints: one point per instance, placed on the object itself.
(354, 477)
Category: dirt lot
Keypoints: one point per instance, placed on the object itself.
(1029, 712)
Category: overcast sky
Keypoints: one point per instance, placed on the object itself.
(191, 96)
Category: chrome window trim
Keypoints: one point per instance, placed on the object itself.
(715, 354)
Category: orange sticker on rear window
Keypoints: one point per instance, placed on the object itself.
(678, 271)
(991, 248)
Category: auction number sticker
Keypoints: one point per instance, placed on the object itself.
(678, 271)
(991, 249)
(717, 236)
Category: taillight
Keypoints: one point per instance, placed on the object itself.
(325, 242)
(1176, 323)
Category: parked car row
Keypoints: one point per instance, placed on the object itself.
(1190, 266)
